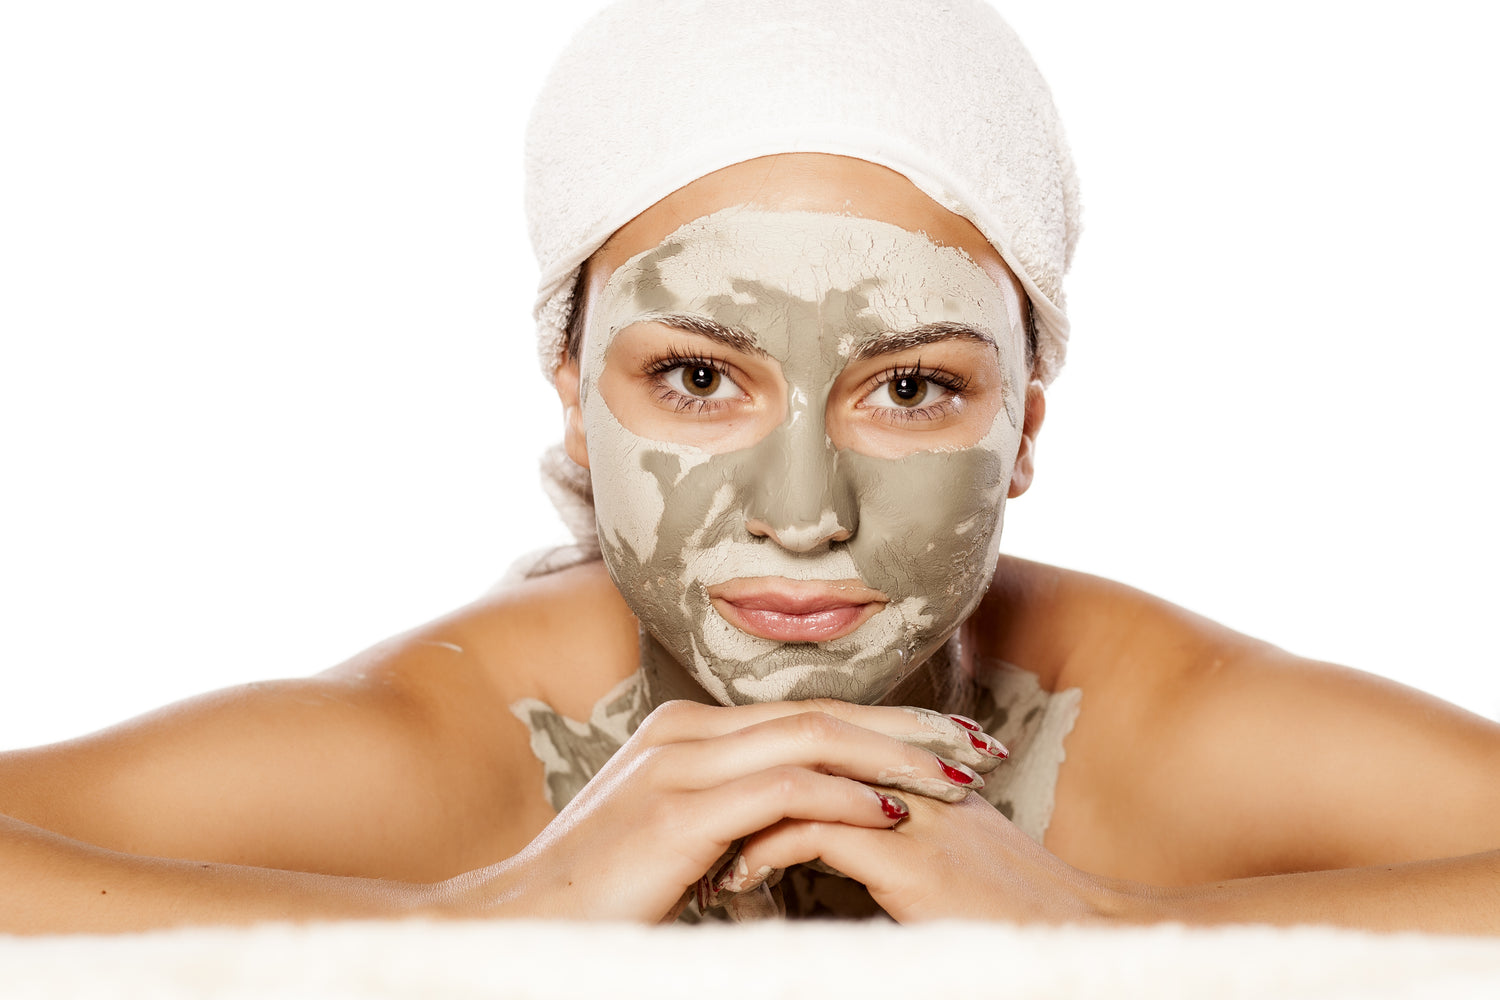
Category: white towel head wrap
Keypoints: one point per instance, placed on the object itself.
(653, 94)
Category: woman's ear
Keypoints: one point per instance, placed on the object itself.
(1025, 467)
(566, 382)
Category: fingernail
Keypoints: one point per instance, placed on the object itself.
(960, 775)
(726, 873)
(989, 746)
(741, 879)
(966, 722)
(894, 808)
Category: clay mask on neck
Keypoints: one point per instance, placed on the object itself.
(809, 294)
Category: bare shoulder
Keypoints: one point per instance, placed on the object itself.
(1073, 629)
(403, 762)
(565, 638)
(1201, 753)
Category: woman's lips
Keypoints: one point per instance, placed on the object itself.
(796, 610)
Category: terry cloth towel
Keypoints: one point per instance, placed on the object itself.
(653, 94)
(770, 960)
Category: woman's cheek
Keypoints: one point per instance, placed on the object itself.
(930, 525)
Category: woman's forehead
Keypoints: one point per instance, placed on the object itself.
(797, 282)
(800, 182)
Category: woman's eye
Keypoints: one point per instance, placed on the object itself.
(700, 382)
(906, 392)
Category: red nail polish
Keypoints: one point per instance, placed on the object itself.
(893, 808)
(966, 722)
(954, 774)
(993, 749)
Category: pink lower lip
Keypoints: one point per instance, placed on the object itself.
(784, 626)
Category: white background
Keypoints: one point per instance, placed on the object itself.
(267, 383)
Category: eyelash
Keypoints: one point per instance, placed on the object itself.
(675, 359)
(954, 384)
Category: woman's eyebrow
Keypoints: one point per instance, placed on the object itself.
(931, 333)
(735, 340)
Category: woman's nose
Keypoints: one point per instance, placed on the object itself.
(802, 537)
(802, 499)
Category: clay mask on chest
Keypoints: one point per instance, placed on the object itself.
(808, 293)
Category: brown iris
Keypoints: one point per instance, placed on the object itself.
(908, 390)
(702, 380)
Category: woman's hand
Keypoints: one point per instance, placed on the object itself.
(696, 779)
(959, 860)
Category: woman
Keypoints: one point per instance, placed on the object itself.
(748, 355)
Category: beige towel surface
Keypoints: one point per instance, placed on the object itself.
(755, 962)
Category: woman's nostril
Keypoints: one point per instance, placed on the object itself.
(804, 537)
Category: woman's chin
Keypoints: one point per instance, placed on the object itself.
(864, 682)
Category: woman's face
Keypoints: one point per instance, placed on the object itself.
(802, 394)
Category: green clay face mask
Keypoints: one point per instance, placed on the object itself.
(814, 293)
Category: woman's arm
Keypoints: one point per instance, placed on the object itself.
(221, 808)
(1261, 763)
(384, 777)
(345, 775)
(1446, 895)
(53, 884)
(1201, 755)
(1362, 802)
